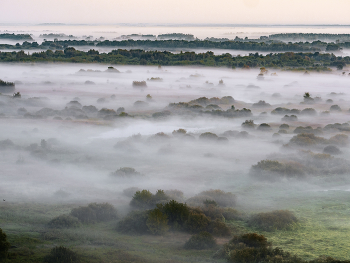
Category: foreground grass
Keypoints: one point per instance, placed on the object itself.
(323, 229)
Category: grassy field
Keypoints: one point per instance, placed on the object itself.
(323, 229)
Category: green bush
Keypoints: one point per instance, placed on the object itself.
(275, 220)
(64, 221)
(61, 255)
(4, 246)
(177, 213)
(197, 222)
(157, 222)
(145, 199)
(213, 212)
(134, 223)
(307, 139)
(94, 213)
(202, 240)
(219, 228)
(142, 199)
(252, 248)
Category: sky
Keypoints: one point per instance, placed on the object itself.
(177, 12)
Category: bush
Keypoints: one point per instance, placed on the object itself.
(177, 213)
(142, 199)
(197, 222)
(252, 248)
(4, 246)
(307, 139)
(202, 240)
(334, 108)
(125, 172)
(145, 199)
(139, 84)
(309, 111)
(275, 220)
(331, 149)
(157, 222)
(95, 213)
(219, 228)
(64, 221)
(248, 124)
(208, 136)
(284, 126)
(269, 169)
(134, 223)
(61, 255)
(213, 211)
(224, 199)
(264, 127)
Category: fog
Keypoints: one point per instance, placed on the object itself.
(82, 147)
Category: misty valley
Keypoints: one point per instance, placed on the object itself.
(132, 163)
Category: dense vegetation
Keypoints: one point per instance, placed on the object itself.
(309, 61)
(16, 36)
(267, 46)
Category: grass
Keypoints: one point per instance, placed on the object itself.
(323, 229)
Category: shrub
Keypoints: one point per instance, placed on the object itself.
(177, 213)
(219, 228)
(139, 84)
(61, 255)
(275, 220)
(224, 199)
(269, 169)
(197, 222)
(142, 199)
(264, 127)
(213, 211)
(202, 240)
(334, 108)
(309, 111)
(179, 132)
(307, 139)
(95, 213)
(248, 124)
(208, 136)
(289, 118)
(125, 172)
(4, 246)
(145, 199)
(134, 223)
(64, 221)
(284, 126)
(250, 248)
(331, 149)
(157, 222)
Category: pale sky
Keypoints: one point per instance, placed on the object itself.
(179, 11)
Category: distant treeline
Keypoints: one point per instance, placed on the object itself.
(16, 36)
(308, 37)
(286, 60)
(184, 44)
